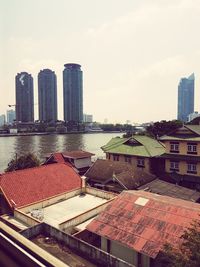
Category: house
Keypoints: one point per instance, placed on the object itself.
(138, 150)
(182, 156)
(80, 160)
(116, 176)
(160, 187)
(28, 186)
(136, 225)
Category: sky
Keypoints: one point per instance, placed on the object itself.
(132, 52)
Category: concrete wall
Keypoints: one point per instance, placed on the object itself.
(30, 221)
(68, 225)
(100, 193)
(125, 253)
(50, 201)
(82, 248)
(82, 163)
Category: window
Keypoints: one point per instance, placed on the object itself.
(192, 148)
(174, 147)
(127, 159)
(116, 157)
(140, 163)
(174, 166)
(192, 168)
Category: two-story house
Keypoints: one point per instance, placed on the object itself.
(138, 150)
(182, 156)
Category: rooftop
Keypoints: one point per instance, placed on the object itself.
(137, 145)
(24, 187)
(105, 170)
(172, 190)
(186, 132)
(62, 211)
(144, 221)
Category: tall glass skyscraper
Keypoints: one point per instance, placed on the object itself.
(186, 97)
(24, 97)
(73, 93)
(47, 95)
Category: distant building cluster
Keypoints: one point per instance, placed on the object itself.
(47, 95)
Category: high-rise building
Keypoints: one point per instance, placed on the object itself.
(186, 97)
(47, 95)
(87, 118)
(10, 116)
(24, 97)
(73, 93)
(2, 119)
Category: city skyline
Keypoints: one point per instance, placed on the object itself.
(133, 56)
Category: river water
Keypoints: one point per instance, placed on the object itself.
(42, 145)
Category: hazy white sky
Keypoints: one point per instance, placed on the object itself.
(132, 52)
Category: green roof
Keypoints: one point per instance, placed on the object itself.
(193, 136)
(137, 145)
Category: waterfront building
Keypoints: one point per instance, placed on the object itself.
(73, 93)
(87, 118)
(10, 116)
(24, 97)
(139, 150)
(182, 156)
(2, 119)
(186, 97)
(47, 95)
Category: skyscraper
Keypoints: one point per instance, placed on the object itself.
(10, 116)
(73, 93)
(24, 97)
(186, 97)
(47, 95)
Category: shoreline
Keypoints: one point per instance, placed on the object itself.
(41, 134)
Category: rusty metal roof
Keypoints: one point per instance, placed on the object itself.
(144, 221)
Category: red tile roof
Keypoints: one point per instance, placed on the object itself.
(145, 228)
(27, 186)
(58, 157)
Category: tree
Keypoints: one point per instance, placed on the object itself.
(23, 162)
(163, 127)
(188, 252)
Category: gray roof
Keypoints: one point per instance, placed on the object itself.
(104, 170)
(172, 190)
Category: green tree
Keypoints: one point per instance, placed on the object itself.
(163, 127)
(188, 252)
(23, 162)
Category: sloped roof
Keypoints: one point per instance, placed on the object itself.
(192, 133)
(78, 154)
(24, 187)
(137, 145)
(144, 221)
(103, 170)
(172, 190)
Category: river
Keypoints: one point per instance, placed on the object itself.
(42, 145)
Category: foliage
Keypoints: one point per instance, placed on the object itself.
(195, 121)
(188, 252)
(163, 127)
(23, 162)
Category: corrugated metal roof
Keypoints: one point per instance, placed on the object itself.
(172, 190)
(145, 228)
